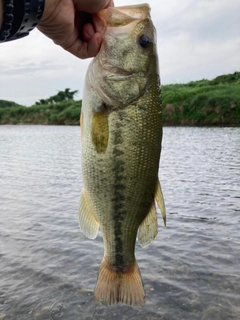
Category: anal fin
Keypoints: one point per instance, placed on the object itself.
(160, 201)
(148, 229)
(87, 222)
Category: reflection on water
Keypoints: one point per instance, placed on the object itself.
(49, 269)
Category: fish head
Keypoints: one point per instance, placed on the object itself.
(127, 62)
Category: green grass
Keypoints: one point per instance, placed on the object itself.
(8, 104)
(203, 102)
(62, 113)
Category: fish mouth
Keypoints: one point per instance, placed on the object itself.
(115, 72)
(120, 16)
(118, 76)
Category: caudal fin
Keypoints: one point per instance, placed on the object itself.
(125, 287)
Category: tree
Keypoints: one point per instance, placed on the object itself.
(65, 95)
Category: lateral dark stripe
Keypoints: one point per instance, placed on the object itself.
(118, 194)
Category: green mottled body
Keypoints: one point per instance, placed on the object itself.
(120, 183)
(121, 124)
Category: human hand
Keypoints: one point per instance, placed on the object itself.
(68, 23)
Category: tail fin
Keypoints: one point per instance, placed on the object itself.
(125, 287)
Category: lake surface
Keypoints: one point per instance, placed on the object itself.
(48, 268)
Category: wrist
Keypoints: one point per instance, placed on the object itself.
(7, 18)
(19, 18)
(49, 8)
(1, 13)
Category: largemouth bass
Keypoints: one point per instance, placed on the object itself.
(121, 129)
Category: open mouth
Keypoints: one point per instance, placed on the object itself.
(111, 71)
(119, 16)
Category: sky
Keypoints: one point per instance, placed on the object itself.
(197, 39)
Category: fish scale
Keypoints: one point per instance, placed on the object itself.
(121, 145)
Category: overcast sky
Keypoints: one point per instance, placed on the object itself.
(196, 39)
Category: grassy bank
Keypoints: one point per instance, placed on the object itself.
(204, 102)
(61, 113)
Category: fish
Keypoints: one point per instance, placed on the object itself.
(121, 134)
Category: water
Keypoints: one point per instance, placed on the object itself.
(48, 268)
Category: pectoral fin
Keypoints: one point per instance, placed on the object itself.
(100, 131)
(87, 222)
(160, 201)
(148, 229)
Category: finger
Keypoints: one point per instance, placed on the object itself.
(94, 44)
(87, 31)
(83, 49)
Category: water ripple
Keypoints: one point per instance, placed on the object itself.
(49, 269)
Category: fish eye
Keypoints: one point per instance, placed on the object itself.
(144, 41)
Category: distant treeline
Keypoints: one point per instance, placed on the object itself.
(203, 102)
(60, 109)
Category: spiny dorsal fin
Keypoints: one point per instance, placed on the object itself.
(87, 222)
(148, 229)
(160, 201)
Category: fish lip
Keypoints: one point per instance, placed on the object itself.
(103, 19)
(112, 72)
(121, 74)
(118, 76)
(118, 72)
